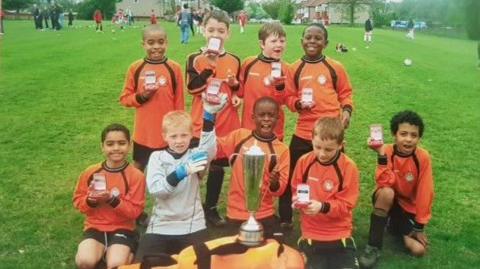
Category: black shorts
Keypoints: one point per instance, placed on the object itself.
(330, 254)
(400, 222)
(121, 237)
(142, 153)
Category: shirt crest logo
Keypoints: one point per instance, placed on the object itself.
(409, 177)
(328, 185)
(322, 79)
(162, 81)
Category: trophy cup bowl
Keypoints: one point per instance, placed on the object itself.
(251, 231)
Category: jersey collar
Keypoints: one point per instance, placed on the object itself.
(162, 61)
(114, 170)
(316, 60)
(266, 59)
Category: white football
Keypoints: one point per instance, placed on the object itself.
(407, 62)
(113, 30)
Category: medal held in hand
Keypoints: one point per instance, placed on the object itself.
(213, 91)
(276, 70)
(303, 196)
(99, 182)
(214, 45)
(376, 135)
(150, 79)
(307, 96)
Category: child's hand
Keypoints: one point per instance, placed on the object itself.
(274, 179)
(214, 108)
(231, 80)
(302, 106)
(345, 119)
(99, 197)
(313, 208)
(276, 81)
(236, 101)
(149, 91)
(379, 148)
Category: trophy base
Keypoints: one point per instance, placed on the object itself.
(251, 233)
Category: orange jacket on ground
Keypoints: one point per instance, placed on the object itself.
(149, 114)
(336, 185)
(252, 78)
(199, 72)
(238, 142)
(120, 214)
(411, 178)
(330, 98)
(226, 252)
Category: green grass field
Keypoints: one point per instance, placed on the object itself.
(59, 89)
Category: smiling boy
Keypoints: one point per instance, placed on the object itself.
(154, 87)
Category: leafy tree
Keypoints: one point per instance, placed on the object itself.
(16, 4)
(87, 8)
(353, 6)
(229, 6)
(255, 10)
(286, 12)
(272, 7)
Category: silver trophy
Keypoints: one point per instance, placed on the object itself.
(251, 231)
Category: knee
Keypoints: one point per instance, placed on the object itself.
(114, 262)
(85, 263)
(385, 196)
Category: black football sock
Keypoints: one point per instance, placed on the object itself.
(377, 226)
(214, 186)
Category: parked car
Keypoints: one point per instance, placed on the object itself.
(396, 25)
(420, 25)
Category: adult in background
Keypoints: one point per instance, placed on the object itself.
(129, 14)
(54, 17)
(184, 21)
(70, 18)
(242, 21)
(411, 29)
(367, 37)
(37, 19)
(2, 14)
(46, 16)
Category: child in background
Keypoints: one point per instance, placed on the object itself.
(333, 182)
(111, 204)
(404, 193)
(322, 89)
(97, 17)
(206, 69)
(265, 115)
(153, 18)
(154, 87)
(173, 179)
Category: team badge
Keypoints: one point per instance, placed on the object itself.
(162, 81)
(322, 79)
(328, 185)
(409, 177)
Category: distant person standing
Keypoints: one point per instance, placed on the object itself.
(97, 16)
(46, 16)
(129, 14)
(242, 21)
(2, 14)
(367, 37)
(153, 18)
(184, 21)
(37, 19)
(70, 18)
(411, 29)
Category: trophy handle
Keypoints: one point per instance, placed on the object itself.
(232, 158)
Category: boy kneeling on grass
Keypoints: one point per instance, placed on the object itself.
(404, 193)
(325, 186)
(112, 195)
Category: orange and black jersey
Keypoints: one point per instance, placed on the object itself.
(199, 72)
(149, 114)
(411, 178)
(119, 213)
(332, 91)
(233, 146)
(336, 186)
(252, 78)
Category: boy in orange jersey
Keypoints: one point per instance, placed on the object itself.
(266, 75)
(404, 193)
(265, 116)
(322, 89)
(333, 182)
(205, 69)
(111, 194)
(154, 87)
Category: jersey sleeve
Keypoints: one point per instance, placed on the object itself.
(179, 99)
(132, 204)
(197, 77)
(129, 96)
(291, 91)
(425, 192)
(384, 175)
(343, 202)
(283, 166)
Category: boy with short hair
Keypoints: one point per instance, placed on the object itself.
(173, 177)
(333, 182)
(322, 89)
(112, 195)
(277, 161)
(206, 69)
(154, 87)
(404, 192)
